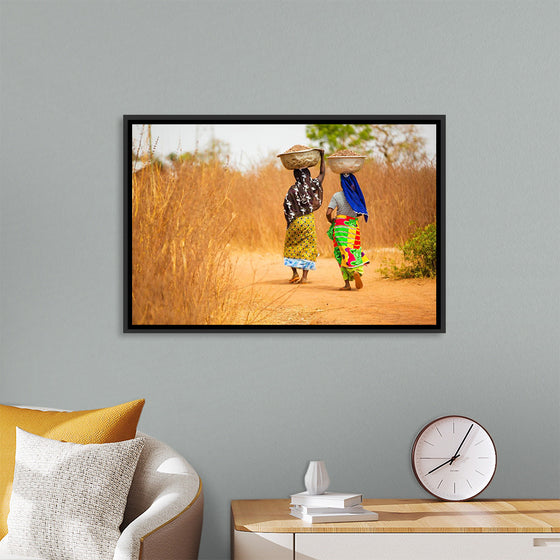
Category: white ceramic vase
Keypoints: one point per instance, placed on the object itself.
(316, 478)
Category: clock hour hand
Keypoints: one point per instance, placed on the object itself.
(449, 461)
(460, 445)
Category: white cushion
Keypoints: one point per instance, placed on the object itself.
(3, 557)
(68, 499)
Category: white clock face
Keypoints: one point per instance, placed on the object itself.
(454, 458)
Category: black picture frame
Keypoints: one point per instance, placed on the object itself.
(129, 121)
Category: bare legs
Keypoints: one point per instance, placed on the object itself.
(346, 285)
(295, 276)
(295, 279)
(358, 281)
(348, 276)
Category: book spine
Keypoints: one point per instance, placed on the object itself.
(326, 503)
(335, 518)
(313, 519)
(316, 510)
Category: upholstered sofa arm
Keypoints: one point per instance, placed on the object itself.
(163, 517)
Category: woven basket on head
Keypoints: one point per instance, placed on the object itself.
(300, 158)
(345, 163)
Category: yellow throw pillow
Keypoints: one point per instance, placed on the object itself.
(103, 425)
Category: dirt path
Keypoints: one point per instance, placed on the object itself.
(320, 302)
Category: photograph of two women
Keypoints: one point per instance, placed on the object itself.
(284, 223)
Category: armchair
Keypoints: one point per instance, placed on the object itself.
(163, 516)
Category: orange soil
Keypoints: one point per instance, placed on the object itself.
(320, 302)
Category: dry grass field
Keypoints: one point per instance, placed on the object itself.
(191, 222)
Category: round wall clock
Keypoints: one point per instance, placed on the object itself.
(454, 458)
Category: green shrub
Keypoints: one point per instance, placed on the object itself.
(419, 256)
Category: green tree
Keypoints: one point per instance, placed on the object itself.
(215, 149)
(393, 143)
(333, 137)
(176, 158)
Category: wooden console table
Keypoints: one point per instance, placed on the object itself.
(406, 529)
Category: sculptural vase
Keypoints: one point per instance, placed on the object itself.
(316, 478)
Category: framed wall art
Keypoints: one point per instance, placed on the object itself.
(283, 223)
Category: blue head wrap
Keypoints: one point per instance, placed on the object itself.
(353, 194)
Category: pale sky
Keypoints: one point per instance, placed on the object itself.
(248, 143)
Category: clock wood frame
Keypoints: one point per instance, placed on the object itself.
(417, 474)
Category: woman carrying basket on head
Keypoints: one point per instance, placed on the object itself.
(345, 230)
(300, 244)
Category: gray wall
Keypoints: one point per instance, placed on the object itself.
(249, 410)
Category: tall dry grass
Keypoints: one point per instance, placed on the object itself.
(188, 222)
(395, 196)
(182, 221)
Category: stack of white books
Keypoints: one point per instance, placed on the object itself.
(330, 507)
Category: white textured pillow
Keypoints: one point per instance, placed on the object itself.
(68, 499)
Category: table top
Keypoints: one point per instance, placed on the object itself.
(409, 516)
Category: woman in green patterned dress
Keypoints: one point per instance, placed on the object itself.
(345, 230)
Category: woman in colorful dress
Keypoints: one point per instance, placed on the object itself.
(303, 198)
(345, 230)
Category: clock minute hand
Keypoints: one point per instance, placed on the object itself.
(446, 462)
(461, 445)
